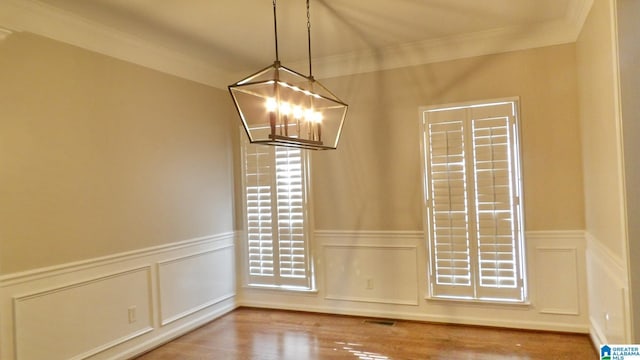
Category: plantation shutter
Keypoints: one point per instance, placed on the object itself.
(259, 166)
(451, 256)
(473, 202)
(496, 202)
(291, 216)
(275, 198)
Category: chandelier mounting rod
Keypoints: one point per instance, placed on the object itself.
(309, 38)
(275, 29)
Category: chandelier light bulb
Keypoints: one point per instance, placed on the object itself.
(285, 108)
(308, 114)
(271, 104)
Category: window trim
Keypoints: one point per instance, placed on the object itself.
(310, 286)
(519, 186)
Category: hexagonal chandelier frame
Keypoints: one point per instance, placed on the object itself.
(279, 106)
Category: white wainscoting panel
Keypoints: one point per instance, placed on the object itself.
(82, 319)
(117, 306)
(370, 273)
(204, 276)
(558, 281)
(384, 274)
(370, 266)
(608, 295)
(557, 274)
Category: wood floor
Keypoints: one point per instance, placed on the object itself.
(257, 334)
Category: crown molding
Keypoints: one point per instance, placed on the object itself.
(481, 43)
(45, 20)
(51, 22)
(577, 13)
(444, 49)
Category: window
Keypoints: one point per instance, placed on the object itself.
(275, 198)
(473, 202)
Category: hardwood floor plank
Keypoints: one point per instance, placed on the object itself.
(259, 334)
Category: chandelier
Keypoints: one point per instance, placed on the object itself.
(279, 106)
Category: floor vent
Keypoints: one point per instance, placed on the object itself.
(380, 322)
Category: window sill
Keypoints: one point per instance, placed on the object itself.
(476, 302)
(279, 289)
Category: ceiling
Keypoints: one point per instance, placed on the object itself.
(219, 41)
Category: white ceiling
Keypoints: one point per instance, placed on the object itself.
(219, 41)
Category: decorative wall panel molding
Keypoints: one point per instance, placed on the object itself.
(117, 306)
(608, 295)
(385, 274)
(551, 253)
(61, 269)
(550, 262)
(381, 273)
(204, 276)
(84, 318)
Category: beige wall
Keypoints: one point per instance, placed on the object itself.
(373, 180)
(600, 80)
(601, 130)
(629, 50)
(99, 156)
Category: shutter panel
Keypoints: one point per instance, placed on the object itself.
(496, 224)
(258, 169)
(450, 246)
(291, 219)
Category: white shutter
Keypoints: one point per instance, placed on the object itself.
(496, 199)
(258, 169)
(291, 217)
(275, 199)
(473, 202)
(449, 233)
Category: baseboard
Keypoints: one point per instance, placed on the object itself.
(411, 316)
(597, 336)
(174, 333)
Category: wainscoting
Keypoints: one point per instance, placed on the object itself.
(366, 267)
(383, 274)
(117, 306)
(608, 295)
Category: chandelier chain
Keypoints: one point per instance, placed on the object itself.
(309, 37)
